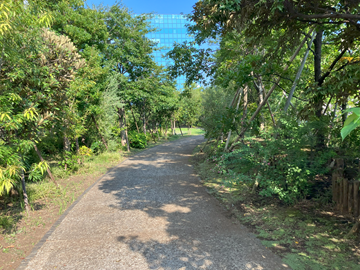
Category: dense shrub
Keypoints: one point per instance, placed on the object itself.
(284, 165)
(137, 140)
(97, 147)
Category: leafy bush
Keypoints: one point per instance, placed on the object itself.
(285, 166)
(137, 140)
(113, 145)
(85, 151)
(97, 147)
(37, 171)
(69, 161)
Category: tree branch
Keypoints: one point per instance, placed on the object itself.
(321, 80)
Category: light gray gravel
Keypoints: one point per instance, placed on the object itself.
(151, 212)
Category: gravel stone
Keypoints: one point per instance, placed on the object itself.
(151, 212)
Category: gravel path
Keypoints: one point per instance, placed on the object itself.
(151, 212)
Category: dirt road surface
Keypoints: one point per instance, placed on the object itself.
(151, 212)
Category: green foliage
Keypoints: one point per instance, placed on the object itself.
(85, 151)
(97, 147)
(37, 171)
(137, 140)
(69, 161)
(6, 223)
(352, 122)
(284, 166)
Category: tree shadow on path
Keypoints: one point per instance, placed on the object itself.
(168, 220)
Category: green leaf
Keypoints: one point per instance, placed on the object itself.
(348, 128)
(350, 119)
(353, 110)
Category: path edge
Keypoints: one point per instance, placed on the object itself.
(24, 263)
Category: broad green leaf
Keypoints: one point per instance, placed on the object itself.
(348, 128)
(353, 110)
(350, 119)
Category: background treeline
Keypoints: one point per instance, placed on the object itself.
(284, 82)
(76, 81)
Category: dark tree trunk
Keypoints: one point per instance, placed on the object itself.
(180, 129)
(42, 159)
(121, 113)
(137, 127)
(98, 130)
(77, 145)
(126, 134)
(77, 149)
(66, 148)
(344, 115)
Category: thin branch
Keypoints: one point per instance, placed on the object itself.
(305, 100)
(332, 66)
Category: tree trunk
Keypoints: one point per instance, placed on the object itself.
(166, 128)
(66, 143)
(242, 133)
(121, 112)
(126, 134)
(137, 127)
(317, 70)
(172, 127)
(26, 201)
(77, 149)
(144, 124)
(287, 104)
(317, 76)
(189, 130)
(98, 130)
(180, 129)
(66, 148)
(237, 109)
(344, 115)
(77, 145)
(243, 118)
(42, 159)
(261, 98)
(268, 104)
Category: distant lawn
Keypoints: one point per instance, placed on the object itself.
(194, 131)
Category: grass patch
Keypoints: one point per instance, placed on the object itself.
(308, 235)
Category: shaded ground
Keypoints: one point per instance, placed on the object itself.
(20, 233)
(151, 212)
(308, 235)
(18, 241)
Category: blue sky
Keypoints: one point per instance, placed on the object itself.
(156, 6)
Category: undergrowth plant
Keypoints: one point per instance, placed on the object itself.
(282, 164)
